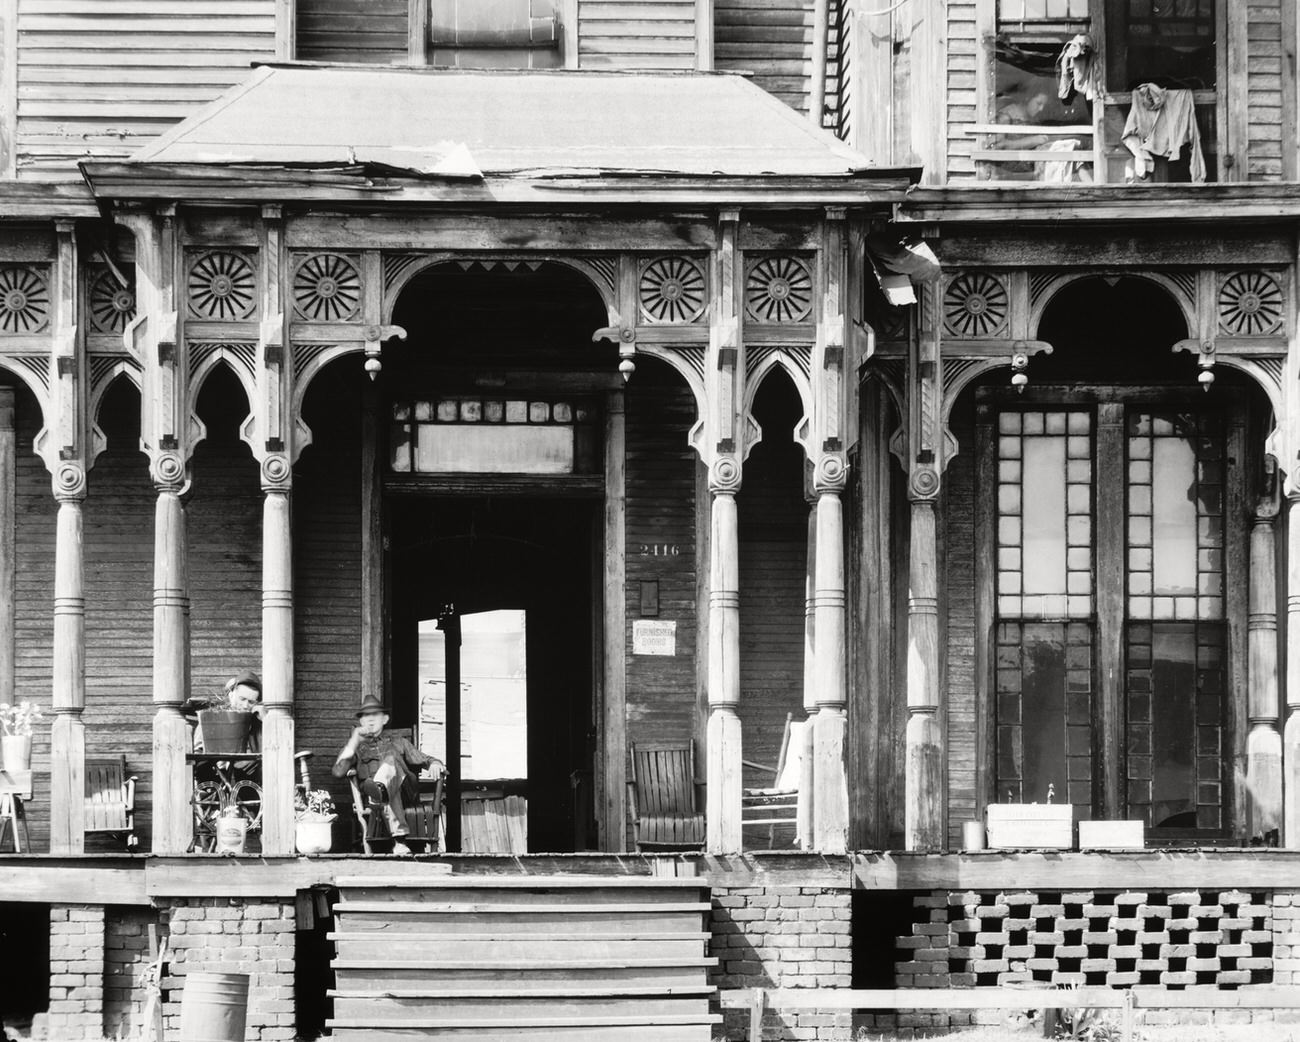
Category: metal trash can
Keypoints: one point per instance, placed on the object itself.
(214, 1007)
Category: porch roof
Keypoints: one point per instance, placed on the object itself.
(459, 133)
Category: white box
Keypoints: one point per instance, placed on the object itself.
(1112, 835)
(1013, 826)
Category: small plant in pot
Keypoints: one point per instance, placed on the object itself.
(314, 815)
(227, 720)
(16, 722)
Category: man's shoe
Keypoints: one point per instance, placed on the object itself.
(400, 848)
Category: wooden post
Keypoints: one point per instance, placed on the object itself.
(277, 671)
(704, 35)
(807, 785)
(830, 725)
(1264, 741)
(1291, 730)
(724, 737)
(164, 435)
(820, 42)
(65, 456)
(8, 88)
(8, 544)
(612, 786)
(724, 449)
(923, 814)
(276, 429)
(171, 740)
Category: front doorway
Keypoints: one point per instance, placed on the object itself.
(492, 656)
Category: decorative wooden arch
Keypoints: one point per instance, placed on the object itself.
(104, 373)
(239, 358)
(795, 364)
(1043, 295)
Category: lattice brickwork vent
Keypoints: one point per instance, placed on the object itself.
(967, 938)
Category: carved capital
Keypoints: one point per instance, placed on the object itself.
(725, 474)
(924, 483)
(277, 473)
(69, 482)
(168, 471)
(831, 472)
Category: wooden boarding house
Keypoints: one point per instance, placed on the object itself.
(768, 449)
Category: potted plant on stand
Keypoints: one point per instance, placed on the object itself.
(313, 820)
(232, 830)
(16, 722)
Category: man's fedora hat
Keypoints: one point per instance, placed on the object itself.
(370, 704)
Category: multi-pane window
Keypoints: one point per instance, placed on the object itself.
(1134, 494)
(478, 435)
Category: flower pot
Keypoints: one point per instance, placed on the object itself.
(225, 730)
(231, 834)
(313, 837)
(17, 749)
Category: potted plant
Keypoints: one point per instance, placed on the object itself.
(16, 722)
(313, 817)
(232, 830)
(224, 729)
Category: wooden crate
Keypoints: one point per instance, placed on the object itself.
(1014, 826)
(1112, 835)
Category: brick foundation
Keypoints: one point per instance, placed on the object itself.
(784, 937)
(227, 935)
(76, 972)
(126, 968)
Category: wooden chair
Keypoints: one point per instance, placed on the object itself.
(110, 798)
(424, 821)
(779, 804)
(665, 797)
(15, 788)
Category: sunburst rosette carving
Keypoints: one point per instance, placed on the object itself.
(975, 304)
(222, 286)
(24, 300)
(327, 288)
(672, 290)
(778, 289)
(112, 305)
(1250, 304)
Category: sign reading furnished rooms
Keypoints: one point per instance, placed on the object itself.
(654, 637)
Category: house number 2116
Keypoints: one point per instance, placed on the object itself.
(659, 550)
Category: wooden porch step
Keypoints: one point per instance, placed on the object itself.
(440, 965)
(562, 991)
(379, 945)
(530, 1008)
(496, 908)
(520, 922)
(452, 882)
(374, 976)
(532, 1033)
(375, 1023)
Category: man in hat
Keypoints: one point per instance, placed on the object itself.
(387, 767)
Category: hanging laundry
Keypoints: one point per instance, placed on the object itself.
(1076, 70)
(1160, 122)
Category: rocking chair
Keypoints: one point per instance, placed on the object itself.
(110, 798)
(424, 820)
(778, 805)
(665, 797)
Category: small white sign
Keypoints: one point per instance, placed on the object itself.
(654, 637)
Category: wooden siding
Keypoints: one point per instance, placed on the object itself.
(772, 41)
(101, 77)
(1265, 68)
(353, 31)
(327, 577)
(636, 34)
(958, 506)
(960, 109)
(661, 511)
(773, 517)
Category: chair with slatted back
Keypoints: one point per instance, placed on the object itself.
(775, 809)
(110, 798)
(425, 821)
(665, 797)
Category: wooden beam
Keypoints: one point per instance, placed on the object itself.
(8, 544)
(1234, 116)
(286, 30)
(48, 881)
(1110, 537)
(1291, 729)
(569, 26)
(1017, 247)
(704, 35)
(613, 738)
(417, 32)
(8, 88)
(924, 811)
(1255, 869)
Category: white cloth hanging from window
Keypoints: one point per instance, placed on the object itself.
(1076, 70)
(1160, 122)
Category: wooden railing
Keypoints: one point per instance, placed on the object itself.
(1128, 1001)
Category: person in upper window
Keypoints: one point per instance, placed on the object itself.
(387, 767)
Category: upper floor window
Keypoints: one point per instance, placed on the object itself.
(494, 34)
(1126, 89)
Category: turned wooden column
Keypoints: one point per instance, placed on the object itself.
(1291, 730)
(1264, 740)
(724, 736)
(923, 773)
(8, 545)
(830, 725)
(172, 823)
(804, 809)
(277, 673)
(65, 456)
(68, 733)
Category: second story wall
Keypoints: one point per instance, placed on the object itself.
(102, 77)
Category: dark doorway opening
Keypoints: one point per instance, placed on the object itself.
(501, 590)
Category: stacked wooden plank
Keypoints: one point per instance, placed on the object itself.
(579, 958)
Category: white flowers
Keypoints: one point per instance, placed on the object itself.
(19, 719)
